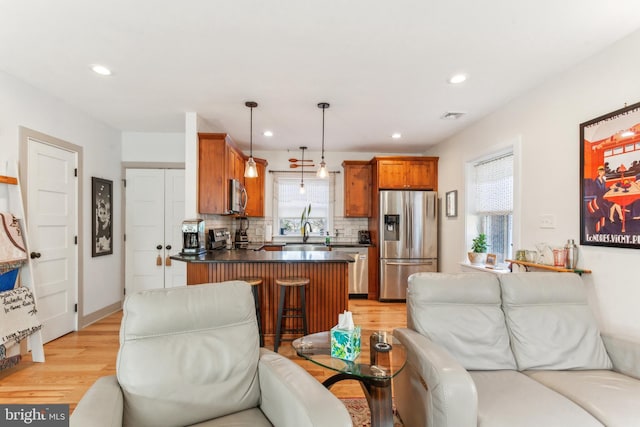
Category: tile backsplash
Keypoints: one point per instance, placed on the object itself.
(345, 230)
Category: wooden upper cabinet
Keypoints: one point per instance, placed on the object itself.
(357, 188)
(218, 162)
(255, 190)
(212, 173)
(406, 173)
(422, 174)
(235, 164)
(391, 174)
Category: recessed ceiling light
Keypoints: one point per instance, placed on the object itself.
(396, 135)
(457, 78)
(267, 133)
(101, 69)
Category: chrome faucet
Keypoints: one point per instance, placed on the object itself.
(305, 232)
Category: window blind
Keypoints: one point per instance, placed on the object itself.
(494, 186)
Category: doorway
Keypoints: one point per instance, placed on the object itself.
(154, 200)
(50, 171)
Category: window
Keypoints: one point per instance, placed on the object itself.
(289, 204)
(491, 204)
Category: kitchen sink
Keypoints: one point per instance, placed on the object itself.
(305, 247)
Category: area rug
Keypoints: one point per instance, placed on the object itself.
(359, 411)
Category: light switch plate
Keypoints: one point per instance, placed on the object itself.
(547, 221)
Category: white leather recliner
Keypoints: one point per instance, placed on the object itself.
(191, 356)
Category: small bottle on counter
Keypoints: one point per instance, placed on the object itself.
(571, 260)
(327, 240)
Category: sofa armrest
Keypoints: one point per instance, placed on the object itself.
(291, 397)
(101, 406)
(452, 399)
(624, 353)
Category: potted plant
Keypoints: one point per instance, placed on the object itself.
(478, 254)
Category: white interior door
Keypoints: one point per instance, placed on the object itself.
(154, 212)
(175, 274)
(52, 224)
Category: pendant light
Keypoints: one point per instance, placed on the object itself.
(322, 172)
(302, 190)
(250, 170)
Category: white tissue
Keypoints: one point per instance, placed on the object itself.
(345, 321)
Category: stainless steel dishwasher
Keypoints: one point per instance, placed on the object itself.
(358, 270)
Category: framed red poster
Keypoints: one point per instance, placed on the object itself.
(610, 179)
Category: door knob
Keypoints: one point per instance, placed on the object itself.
(168, 247)
(159, 247)
(34, 255)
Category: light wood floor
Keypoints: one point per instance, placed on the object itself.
(77, 360)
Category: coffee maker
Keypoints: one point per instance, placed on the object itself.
(242, 239)
(193, 238)
(364, 237)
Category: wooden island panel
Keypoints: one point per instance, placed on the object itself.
(327, 295)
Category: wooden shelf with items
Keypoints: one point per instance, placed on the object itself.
(527, 265)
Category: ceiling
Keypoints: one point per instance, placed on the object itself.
(382, 65)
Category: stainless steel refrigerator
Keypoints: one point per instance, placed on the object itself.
(408, 239)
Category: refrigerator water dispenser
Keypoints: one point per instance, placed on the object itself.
(392, 227)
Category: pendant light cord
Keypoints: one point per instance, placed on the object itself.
(251, 133)
(323, 108)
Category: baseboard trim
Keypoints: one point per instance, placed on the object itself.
(98, 315)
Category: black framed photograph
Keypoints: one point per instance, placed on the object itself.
(102, 224)
(451, 203)
(609, 179)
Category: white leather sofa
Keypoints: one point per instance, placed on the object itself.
(191, 356)
(521, 350)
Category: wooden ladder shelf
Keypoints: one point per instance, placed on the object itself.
(16, 206)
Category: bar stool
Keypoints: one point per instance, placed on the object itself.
(255, 282)
(298, 312)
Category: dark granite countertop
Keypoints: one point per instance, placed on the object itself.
(332, 245)
(350, 245)
(241, 255)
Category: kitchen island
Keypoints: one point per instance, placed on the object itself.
(327, 294)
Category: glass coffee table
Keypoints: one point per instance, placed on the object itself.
(381, 358)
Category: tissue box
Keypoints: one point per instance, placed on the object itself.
(345, 344)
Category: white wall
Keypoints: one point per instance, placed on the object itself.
(153, 147)
(24, 105)
(546, 121)
(279, 160)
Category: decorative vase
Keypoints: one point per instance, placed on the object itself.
(477, 258)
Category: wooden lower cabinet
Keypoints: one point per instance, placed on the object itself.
(327, 294)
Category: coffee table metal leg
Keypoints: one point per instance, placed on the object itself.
(378, 394)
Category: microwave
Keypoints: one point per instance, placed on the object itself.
(237, 197)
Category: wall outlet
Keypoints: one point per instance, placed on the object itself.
(547, 221)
